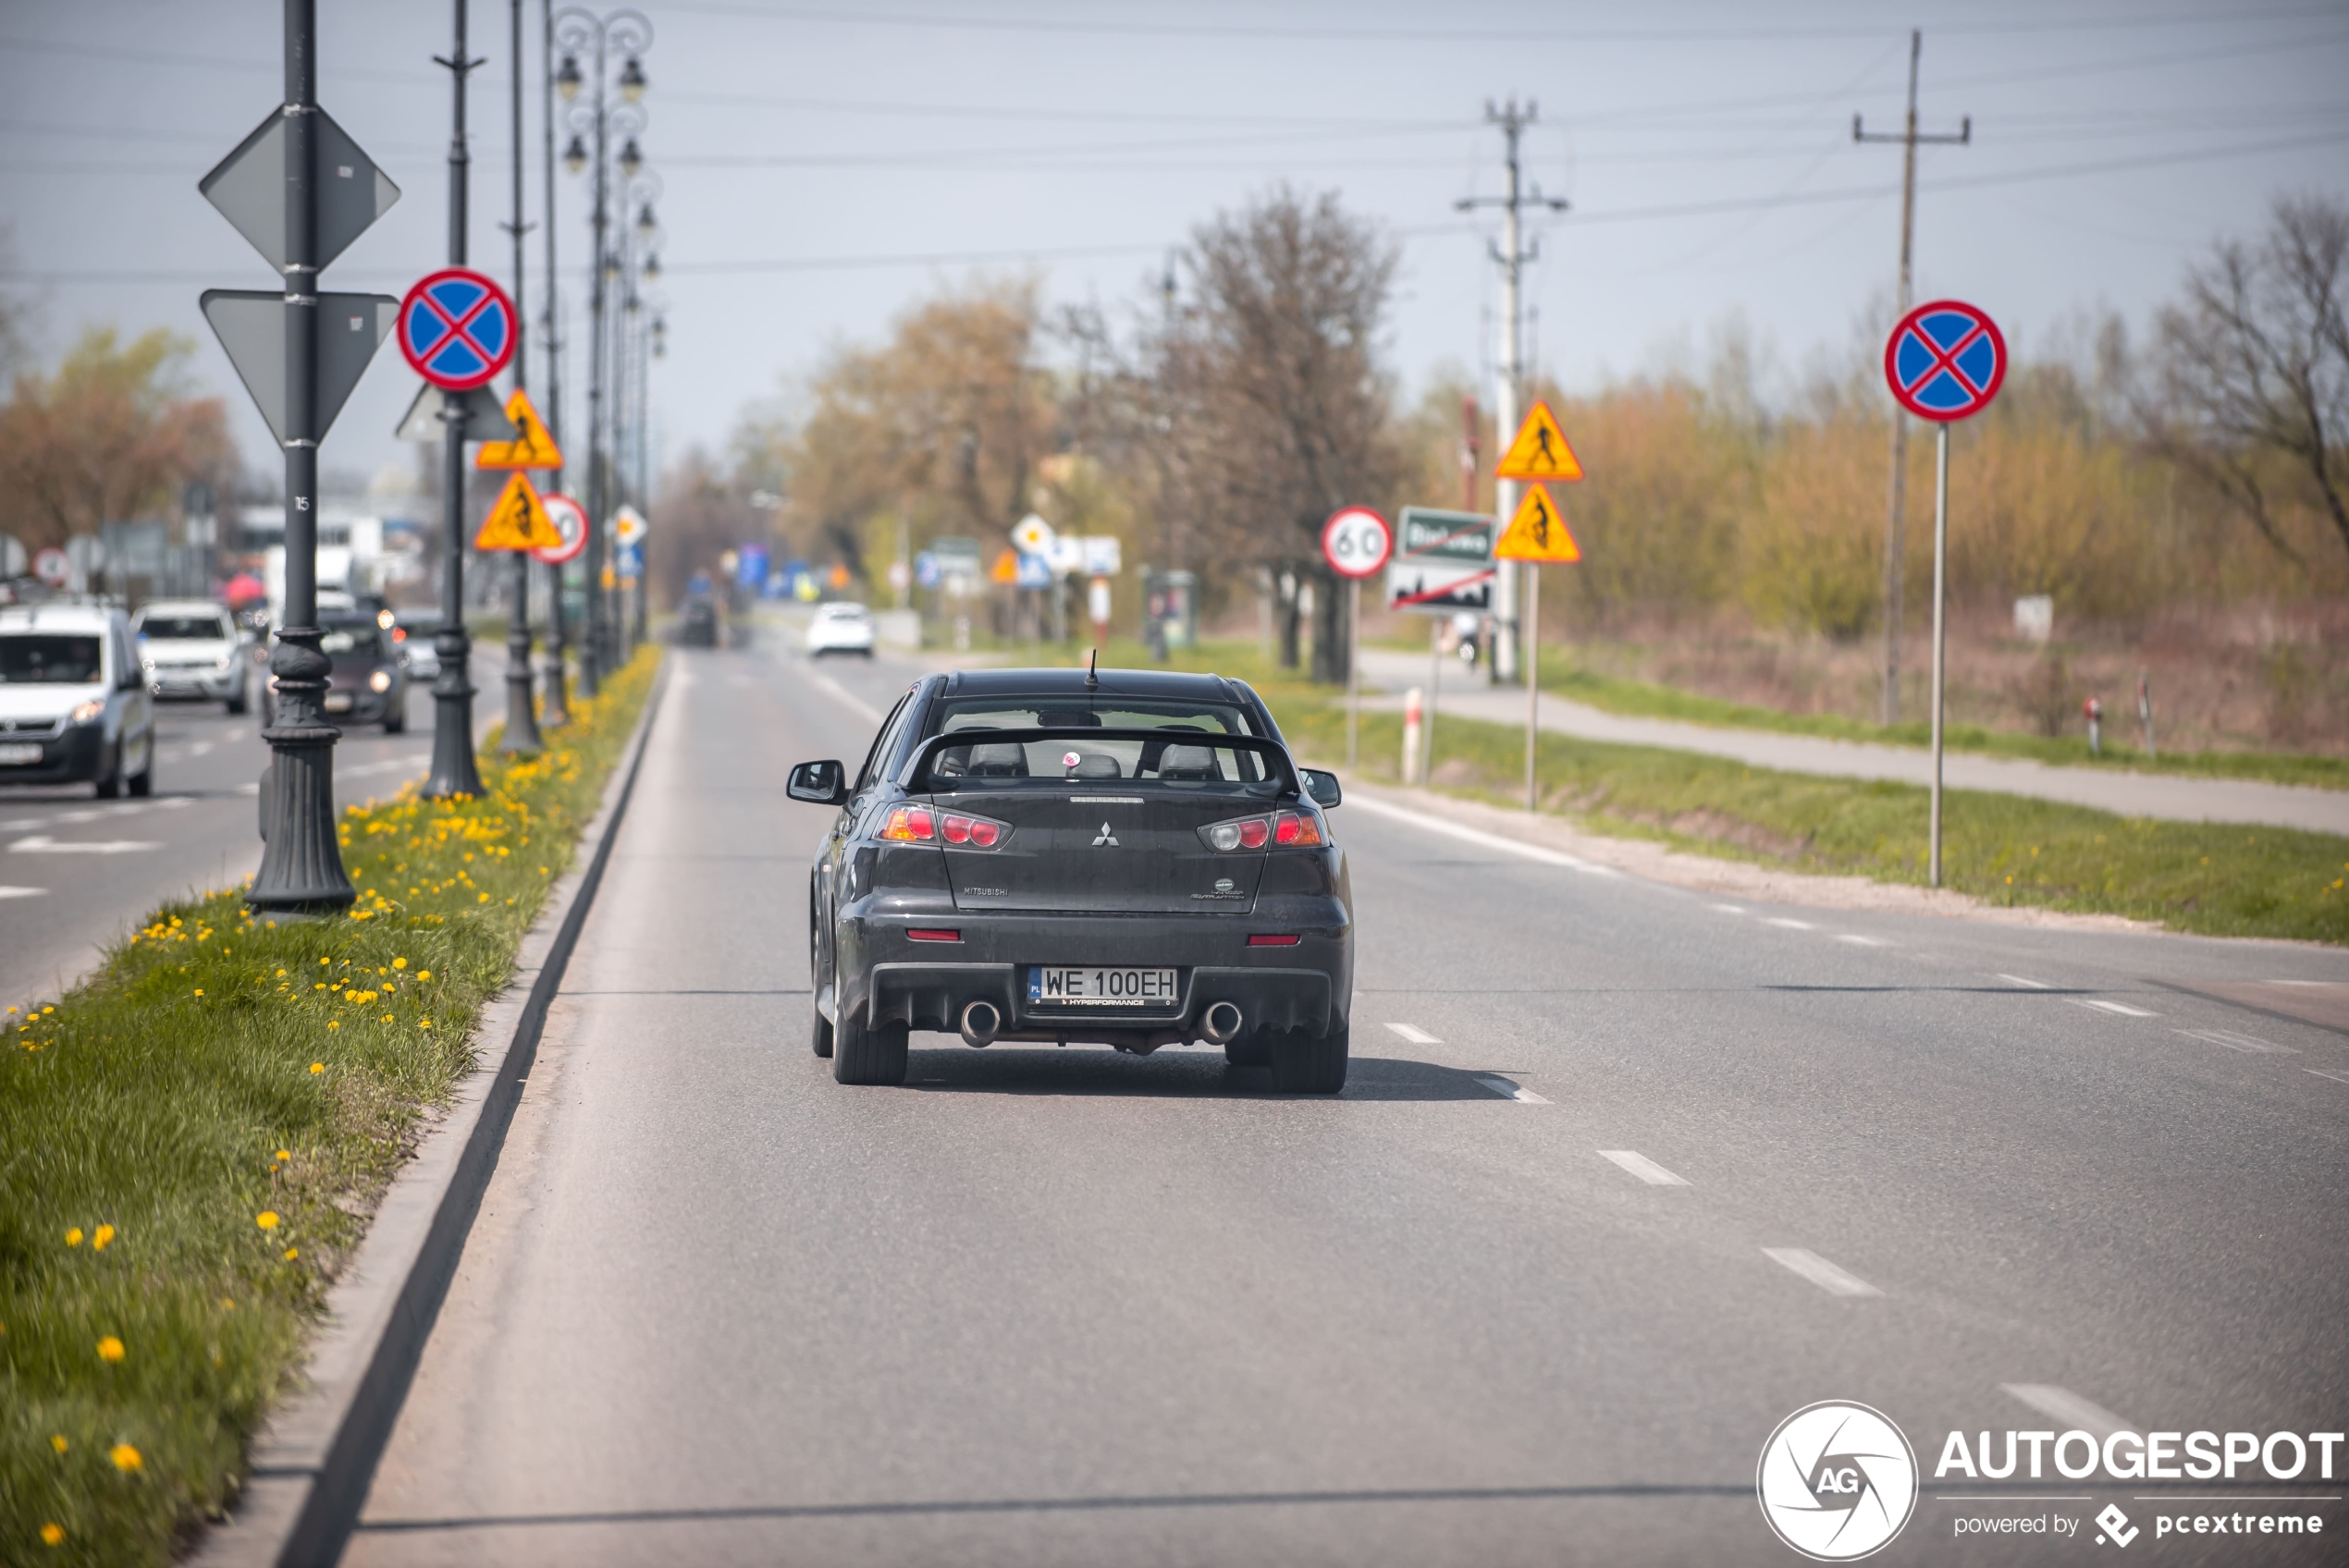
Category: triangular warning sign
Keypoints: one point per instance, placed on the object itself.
(1540, 450)
(532, 445)
(519, 521)
(1006, 568)
(1538, 533)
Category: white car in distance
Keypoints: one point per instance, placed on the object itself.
(189, 648)
(841, 628)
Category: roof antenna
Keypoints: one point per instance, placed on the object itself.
(1093, 672)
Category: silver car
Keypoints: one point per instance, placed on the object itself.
(191, 648)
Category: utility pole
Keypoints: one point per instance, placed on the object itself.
(1893, 528)
(1511, 255)
(556, 680)
(454, 771)
(521, 736)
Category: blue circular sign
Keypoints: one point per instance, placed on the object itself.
(1945, 361)
(457, 329)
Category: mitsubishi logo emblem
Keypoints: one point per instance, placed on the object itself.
(1106, 837)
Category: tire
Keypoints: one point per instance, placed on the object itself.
(395, 718)
(109, 784)
(820, 1037)
(143, 783)
(1250, 1048)
(236, 704)
(1308, 1064)
(868, 1056)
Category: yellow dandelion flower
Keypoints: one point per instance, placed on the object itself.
(99, 1239)
(73, 1235)
(267, 1220)
(423, 1023)
(285, 1154)
(53, 1534)
(125, 1457)
(58, 1441)
(110, 1348)
(200, 990)
(292, 1253)
(426, 974)
(399, 963)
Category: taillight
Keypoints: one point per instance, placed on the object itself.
(972, 832)
(1266, 940)
(919, 934)
(1239, 833)
(1295, 830)
(910, 825)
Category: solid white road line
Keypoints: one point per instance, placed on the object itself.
(1646, 1169)
(2328, 1073)
(1418, 1037)
(2027, 984)
(1820, 1272)
(2121, 1009)
(2235, 1042)
(1476, 836)
(871, 714)
(42, 844)
(1728, 909)
(21, 892)
(1785, 923)
(2069, 1409)
(1859, 941)
(1509, 1090)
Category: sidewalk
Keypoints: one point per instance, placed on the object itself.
(2172, 796)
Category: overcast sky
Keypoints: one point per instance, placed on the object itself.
(826, 164)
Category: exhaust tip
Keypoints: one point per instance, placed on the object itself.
(980, 1021)
(1223, 1020)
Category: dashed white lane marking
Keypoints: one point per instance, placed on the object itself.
(1820, 1272)
(2328, 1073)
(1489, 840)
(248, 788)
(1859, 941)
(1417, 1035)
(2068, 1408)
(2027, 984)
(1509, 1090)
(2121, 1009)
(2235, 1042)
(21, 892)
(1789, 923)
(1646, 1169)
(42, 844)
(203, 748)
(1728, 909)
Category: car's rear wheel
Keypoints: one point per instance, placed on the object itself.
(1251, 1047)
(868, 1056)
(1311, 1064)
(820, 1037)
(396, 716)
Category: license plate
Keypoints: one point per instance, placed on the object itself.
(17, 753)
(1091, 987)
(337, 702)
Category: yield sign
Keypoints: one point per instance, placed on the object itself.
(1538, 533)
(532, 445)
(457, 329)
(1945, 361)
(1540, 450)
(519, 521)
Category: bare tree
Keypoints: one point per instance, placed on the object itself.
(2254, 370)
(1273, 397)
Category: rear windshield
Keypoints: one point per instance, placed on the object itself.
(47, 659)
(186, 628)
(1187, 755)
(352, 637)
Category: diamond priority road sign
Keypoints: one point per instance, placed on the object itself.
(1945, 361)
(456, 328)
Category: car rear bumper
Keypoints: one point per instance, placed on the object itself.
(74, 757)
(207, 685)
(362, 706)
(927, 985)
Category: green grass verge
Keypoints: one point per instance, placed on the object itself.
(191, 1141)
(2216, 880)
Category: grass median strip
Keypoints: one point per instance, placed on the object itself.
(191, 1141)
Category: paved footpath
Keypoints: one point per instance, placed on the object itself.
(2172, 796)
(1624, 1176)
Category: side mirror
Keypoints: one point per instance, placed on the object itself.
(818, 783)
(1322, 786)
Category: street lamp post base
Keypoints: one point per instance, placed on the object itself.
(300, 860)
(522, 722)
(454, 771)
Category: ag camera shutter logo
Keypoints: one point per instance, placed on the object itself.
(1836, 1481)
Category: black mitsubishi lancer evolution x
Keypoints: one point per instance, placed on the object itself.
(1130, 859)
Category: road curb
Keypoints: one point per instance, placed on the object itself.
(313, 1462)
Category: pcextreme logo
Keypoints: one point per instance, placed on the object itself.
(1836, 1481)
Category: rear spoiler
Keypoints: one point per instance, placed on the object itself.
(914, 775)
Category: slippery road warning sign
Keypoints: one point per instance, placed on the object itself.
(519, 521)
(1538, 531)
(1540, 450)
(533, 446)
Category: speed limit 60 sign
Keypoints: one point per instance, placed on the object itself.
(1356, 542)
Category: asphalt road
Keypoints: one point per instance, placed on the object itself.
(77, 873)
(1624, 1176)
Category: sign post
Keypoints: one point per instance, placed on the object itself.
(1443, 567)
(1537, 533)
(301, 190)
(530, 447)
(1944, 362)
(1356, 542)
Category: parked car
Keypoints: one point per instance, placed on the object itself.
(697, 627)
(191, 648)
(74, 704)
(841, 628)
(1046, 855)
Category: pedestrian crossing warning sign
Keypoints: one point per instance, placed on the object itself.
(532, 445)
(519, 521)
(1540, 450)
(1538, 533)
